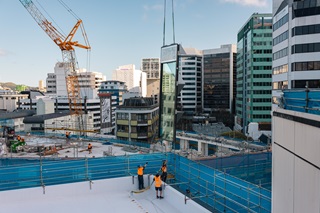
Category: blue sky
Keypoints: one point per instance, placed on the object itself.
(120, 32)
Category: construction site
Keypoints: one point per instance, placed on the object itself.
(61, 158)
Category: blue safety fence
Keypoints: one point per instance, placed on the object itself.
(24, 173)
(302, 100)
(252, 167)
(218, 190)
(215, 190)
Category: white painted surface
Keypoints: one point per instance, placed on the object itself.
(111, 195)
(295, 165)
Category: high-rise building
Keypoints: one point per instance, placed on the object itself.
(56, 90)
(151, 66)
(295, 129)
(56, 82)
(116, 89)
(219, 82)
(254, 73)
(134, 79)
(190, 70)
(296, 46)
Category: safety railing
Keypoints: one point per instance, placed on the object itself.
(218, 191)
(215, 190)
(42, 172)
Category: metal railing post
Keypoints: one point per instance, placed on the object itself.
(225, 189)
(86, 167)
(41, 175)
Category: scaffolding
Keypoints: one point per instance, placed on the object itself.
(215, 190)
(301, 100)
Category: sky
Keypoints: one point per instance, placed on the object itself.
(120, 32)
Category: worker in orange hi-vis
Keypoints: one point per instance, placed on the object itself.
(140, 172)
(163, 169)
(158, 185)
(90, 148)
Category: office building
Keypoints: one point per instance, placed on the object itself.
(115, 91)
(137, 120)
(189, 99)
(151, 66)
(254, 73)
(10, 100)
(56, 82)
(296, 46)
(296, 118)
(136, 80)
(219, 83)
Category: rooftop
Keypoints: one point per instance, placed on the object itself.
(70, 185)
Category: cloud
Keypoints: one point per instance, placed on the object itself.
(257, 3)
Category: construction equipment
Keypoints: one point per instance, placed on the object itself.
(16, 145)
(66, 45)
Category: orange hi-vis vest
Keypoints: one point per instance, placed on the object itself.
(164, 169)
(157, 181)
(140, 171)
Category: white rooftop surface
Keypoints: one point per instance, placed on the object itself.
(109, 195)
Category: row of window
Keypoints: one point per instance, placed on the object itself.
(280, 54)
(262, 67)
(280, 69)
(305, 66)
(311, 11)
(266, 35)
(280, 38)
(261, 92)
(262, 51)
(262, 43)
(261, 84)
(280, 85)
(262, 108)
(305, 30)
(305, 48)
(262, 76)
(281, 22)
(261, 100)
(261, 116)
(262, 59)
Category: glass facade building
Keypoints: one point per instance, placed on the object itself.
(254, 72)
(168, 82)
(219, 79)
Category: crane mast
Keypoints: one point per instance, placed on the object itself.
(66, 44)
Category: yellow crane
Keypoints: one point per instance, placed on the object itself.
(66, 44)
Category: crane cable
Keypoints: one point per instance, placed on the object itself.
(173, 31)
(64, 34)
(164, 22)
(69, 9)
(88, 58)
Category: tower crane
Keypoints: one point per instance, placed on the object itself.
(66, 45)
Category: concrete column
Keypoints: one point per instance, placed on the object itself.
(203, 148)
(184, 144)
